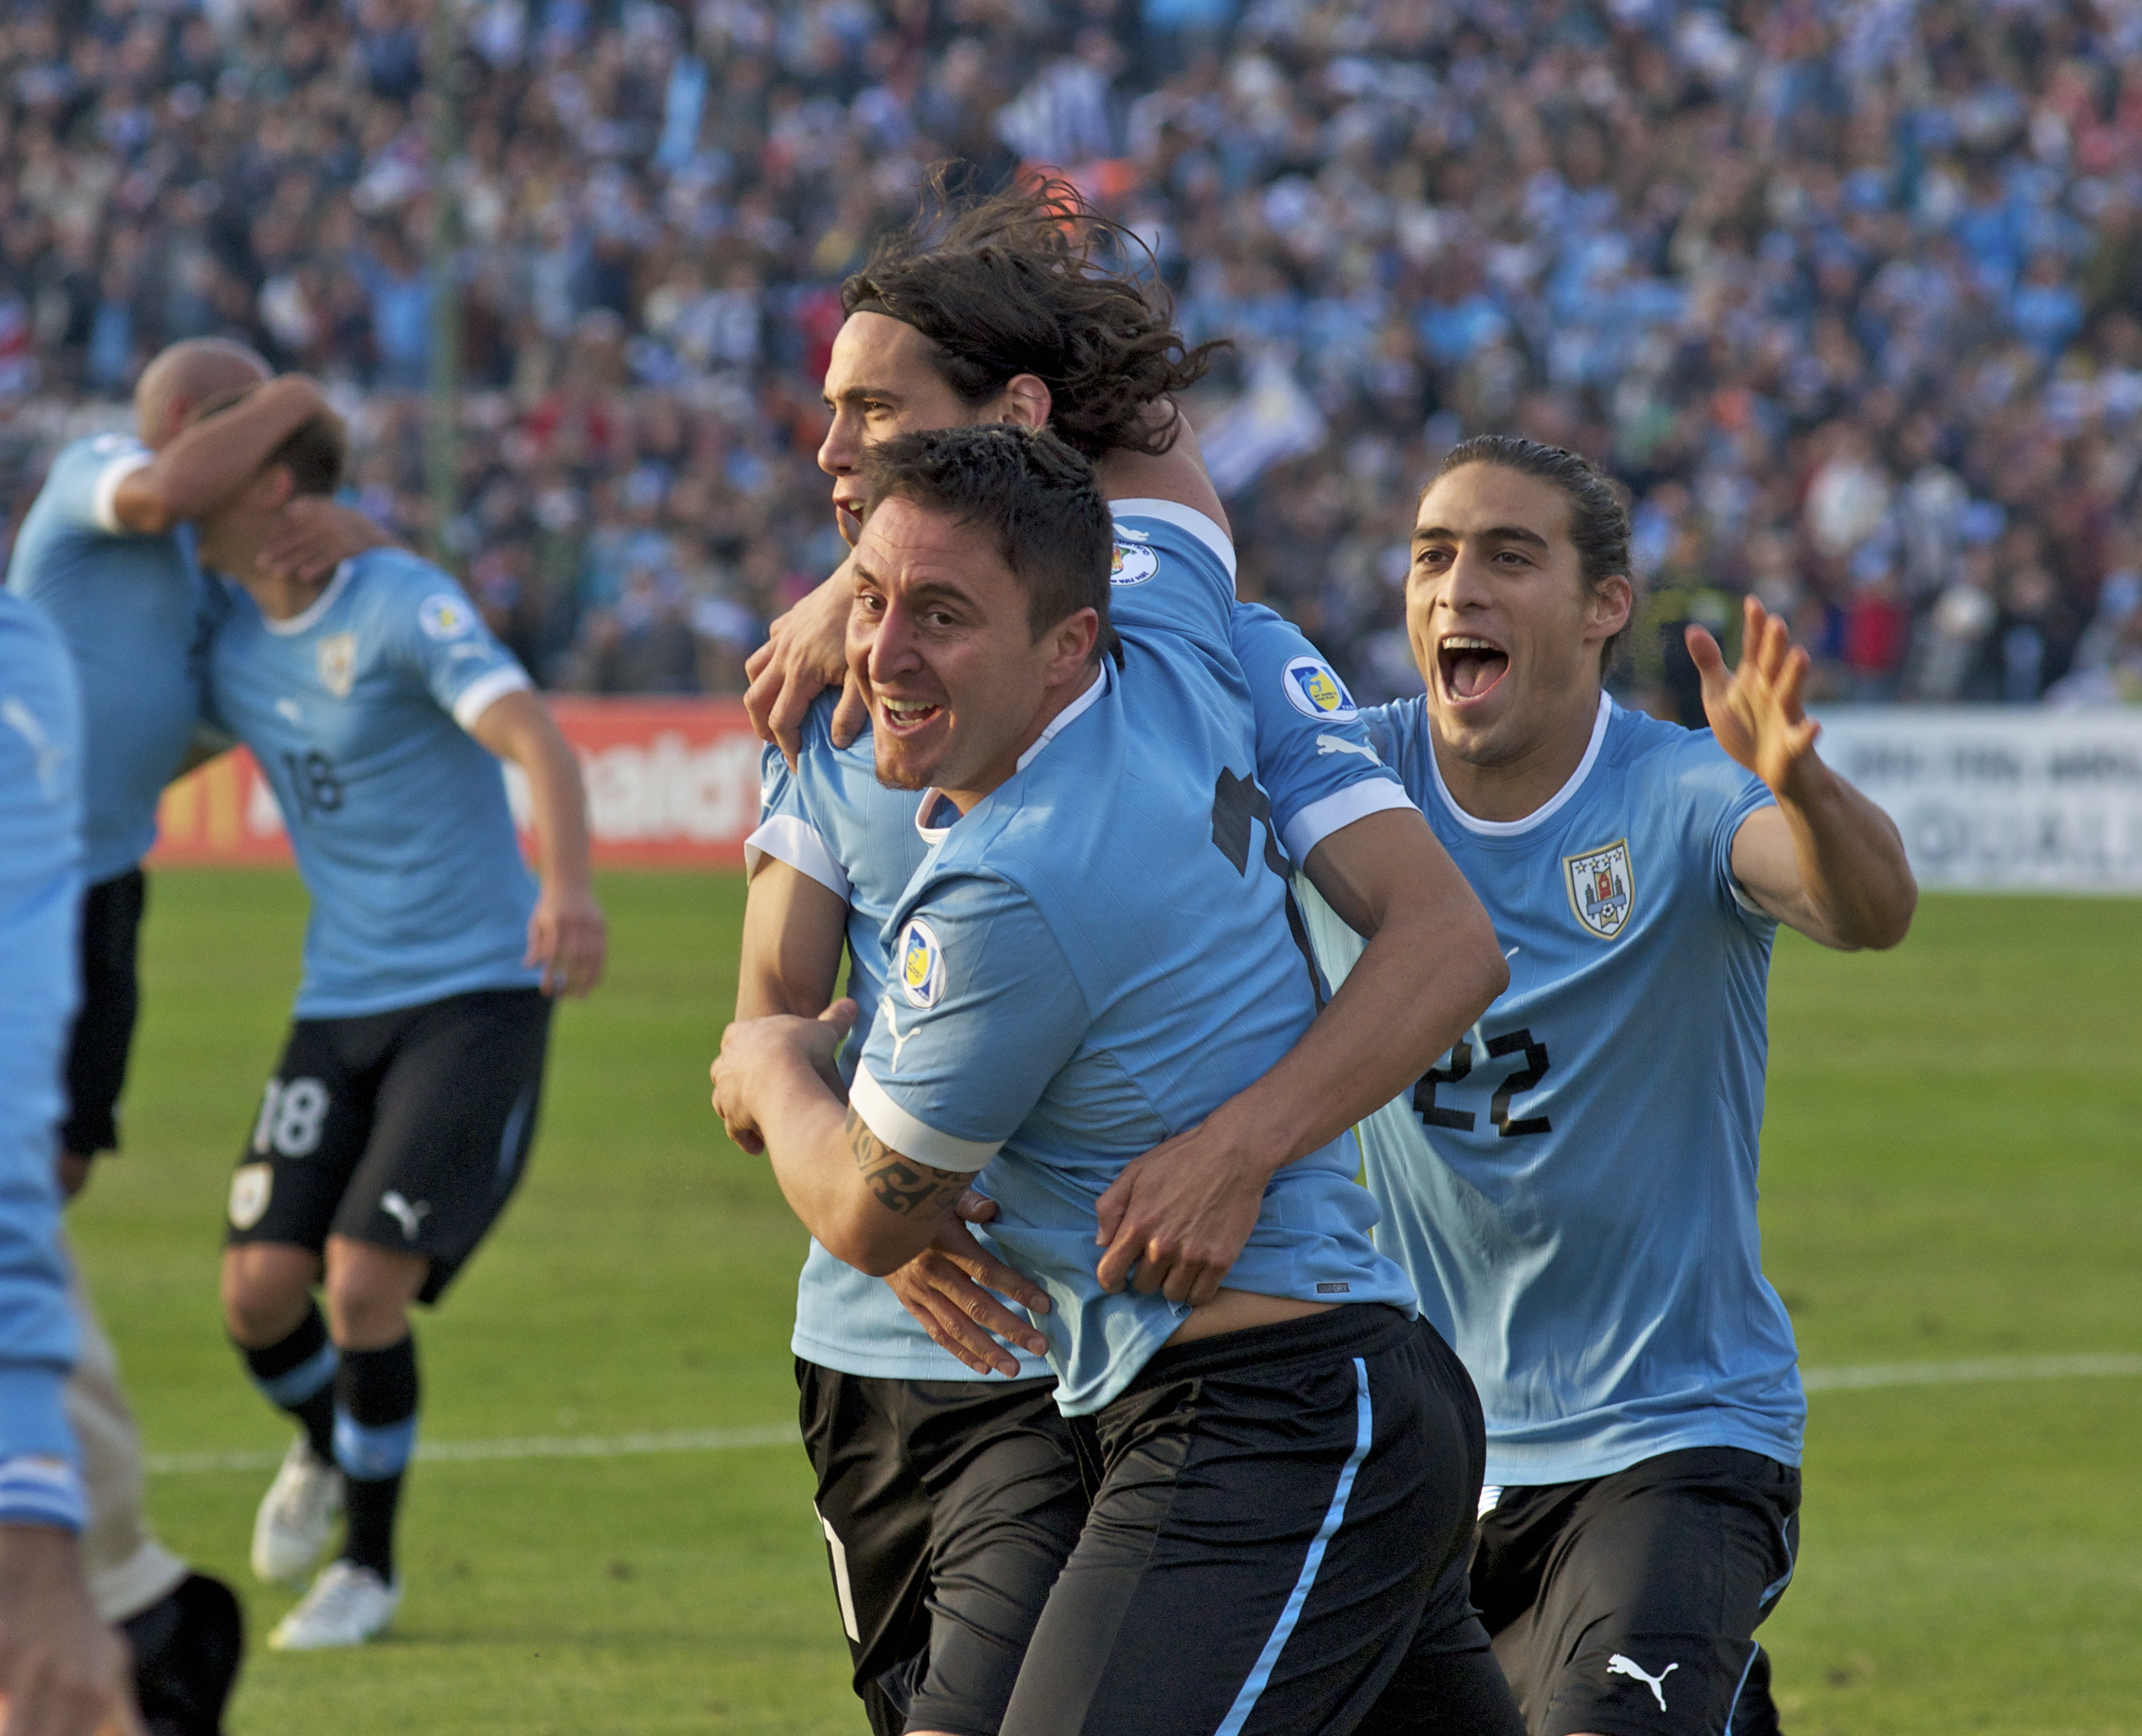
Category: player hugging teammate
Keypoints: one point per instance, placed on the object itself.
(1639, 1514)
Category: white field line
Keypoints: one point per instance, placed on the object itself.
(722, 1440)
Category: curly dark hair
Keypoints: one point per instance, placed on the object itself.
(1598, 518)
(1033, 280)
(1036, 494)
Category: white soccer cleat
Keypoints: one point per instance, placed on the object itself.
(296, 1514)
(348, 1605)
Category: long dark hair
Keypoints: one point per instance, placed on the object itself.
(1034, 280)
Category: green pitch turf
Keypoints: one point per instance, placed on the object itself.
(1950, 1171)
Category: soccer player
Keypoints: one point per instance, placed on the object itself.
(1572, 1188)
(1093, 955)
(931, 1484)
(399, 1119)
(62, 1669)
(107, 551)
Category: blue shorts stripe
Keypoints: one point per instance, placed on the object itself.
(296, 1385)
(369, 1454)
(1245, 1702)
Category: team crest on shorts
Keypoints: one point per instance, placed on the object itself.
(338, 663)
(250, 1185)
(1603, 887)
(1132, 563)
(1314, 689)
(921, 964)
(444, 616)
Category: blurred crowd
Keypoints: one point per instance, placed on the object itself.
(1848, 291)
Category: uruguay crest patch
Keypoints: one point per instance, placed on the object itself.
(921, 964)
(1603, 887)
(338, 663)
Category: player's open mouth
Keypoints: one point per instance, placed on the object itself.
(1469, 665)
(904, 717)
(847, 514)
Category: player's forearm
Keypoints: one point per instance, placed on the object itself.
(1853, 873)
(833, 1171)
(209, 461)
(563, 856)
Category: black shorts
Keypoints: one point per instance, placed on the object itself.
(1278, 1543)
(1627, 1604)
(948, 1507)
(104, 1029)
(408, 1129)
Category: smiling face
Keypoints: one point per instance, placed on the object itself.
(882, 381)
(959, 685)
(1506, 632)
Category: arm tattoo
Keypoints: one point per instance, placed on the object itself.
(899, 1184)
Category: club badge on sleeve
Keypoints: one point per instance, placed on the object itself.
(1313, 689)
(1132, 563)
(1601, 886)
(921, 964)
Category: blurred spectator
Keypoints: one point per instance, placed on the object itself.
(1850, 293)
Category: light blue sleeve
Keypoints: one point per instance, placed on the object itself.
(40, 906)
(434, 631)
(786, 831)
(1721, 794)
(1173, 572)
(1314, 756)
(87, 476)
(981, 1012)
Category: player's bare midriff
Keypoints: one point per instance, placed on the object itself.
(1234, 1310)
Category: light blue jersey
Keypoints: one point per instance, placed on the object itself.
(1573, 1187)
(40, 910)
(833, 821)
(134, 611)
(1089, 963)
(358, 711)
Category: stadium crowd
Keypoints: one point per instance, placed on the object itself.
(1849, 291)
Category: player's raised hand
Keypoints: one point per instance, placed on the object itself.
(315, 536)
(947, 1289)
(1755, 710)
(1178, 1215)
(753, 1049)
(569, 938)
(806, 652)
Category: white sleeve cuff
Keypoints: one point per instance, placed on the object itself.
(1183, 518)
(787, 839)
(912, 1138)
(1340, 810)
(479, 696)
(104, 500)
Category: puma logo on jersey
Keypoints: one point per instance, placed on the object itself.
(1620, 1665)
(899, 1036)
(289, 711)
(1339, 744)
(410, 1217)
(47, 753)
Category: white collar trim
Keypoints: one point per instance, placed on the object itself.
(1547, 810)
(309, 615)
(1183, 518)
(934, 836)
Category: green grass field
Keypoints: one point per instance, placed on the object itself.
(1951, 1169)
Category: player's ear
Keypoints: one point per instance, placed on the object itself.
(1607, 606)
(1026, 401)
(1071, 647)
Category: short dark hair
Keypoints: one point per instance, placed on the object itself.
(1038, 496)
(314, 454)
(1598, 519)
(1023, 282)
